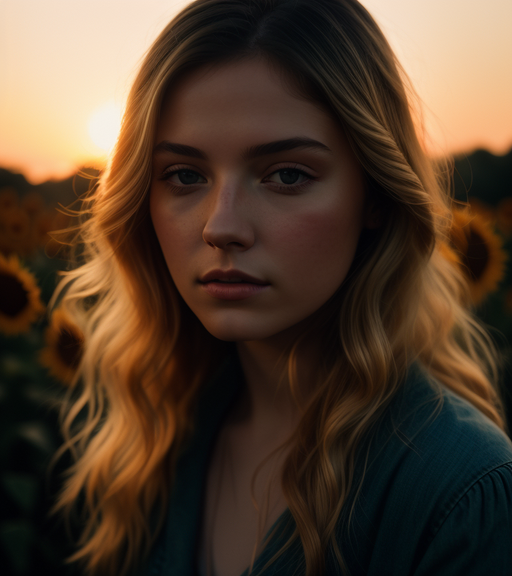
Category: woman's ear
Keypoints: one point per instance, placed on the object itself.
(373, 215)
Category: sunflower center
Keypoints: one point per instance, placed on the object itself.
(14, 297)
(69, 348)
(477, 256)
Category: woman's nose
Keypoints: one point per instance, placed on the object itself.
(228, 223)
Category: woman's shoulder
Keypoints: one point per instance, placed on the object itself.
(438, 479)
(437, 426)
(435, 440)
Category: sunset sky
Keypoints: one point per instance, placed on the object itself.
(67, 64)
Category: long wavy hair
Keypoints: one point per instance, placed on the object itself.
(131, 406)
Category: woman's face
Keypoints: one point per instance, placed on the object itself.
(236, 188)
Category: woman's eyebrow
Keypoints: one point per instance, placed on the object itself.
(250, 152)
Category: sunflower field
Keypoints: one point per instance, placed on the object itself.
(39, 352)
(38, 356)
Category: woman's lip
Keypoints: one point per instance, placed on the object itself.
(233, 290)
(219, 274)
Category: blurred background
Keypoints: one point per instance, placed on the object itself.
(65, 70)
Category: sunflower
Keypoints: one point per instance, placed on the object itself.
(8, 203)
(487, 212)
(20, 304)
(504, 216)
(32, 203)
(480, 251)
(64, 347)
(15, 231)
(8, 199)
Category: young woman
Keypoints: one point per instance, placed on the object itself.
(281, 372)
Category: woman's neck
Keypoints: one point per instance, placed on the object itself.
(267, 403)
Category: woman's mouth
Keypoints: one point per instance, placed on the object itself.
(235, 289)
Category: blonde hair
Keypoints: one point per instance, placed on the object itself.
(131, 406)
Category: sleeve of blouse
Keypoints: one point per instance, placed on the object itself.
(475, 538)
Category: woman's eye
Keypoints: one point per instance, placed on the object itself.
(288, 175)
(284, 179)
(183, 176)
(291, 178)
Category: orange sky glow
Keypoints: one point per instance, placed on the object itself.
(62, 61)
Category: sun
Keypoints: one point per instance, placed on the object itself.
(104, 124)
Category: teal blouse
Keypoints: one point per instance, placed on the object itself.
(436, 497)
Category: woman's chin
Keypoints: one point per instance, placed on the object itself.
(253, 329)
(239, 330)
(236, 335)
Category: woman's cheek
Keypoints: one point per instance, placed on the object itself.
(319, 237)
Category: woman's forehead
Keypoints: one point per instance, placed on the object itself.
(245, 97)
